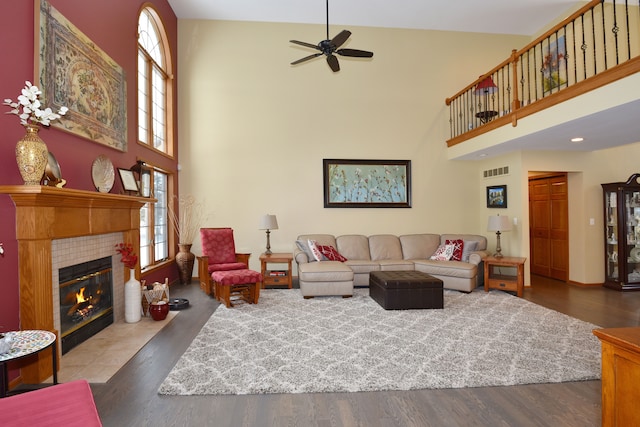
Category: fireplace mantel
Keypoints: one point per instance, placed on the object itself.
(44, 214)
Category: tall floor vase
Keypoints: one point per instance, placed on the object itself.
(132, 298)
(185, 260)
(32, 156)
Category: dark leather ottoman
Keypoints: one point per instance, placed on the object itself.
(404, 290)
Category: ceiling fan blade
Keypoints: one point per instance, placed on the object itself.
(355, 52)
(305, 44)
(342, 37)
(306, 58)
(333, 63)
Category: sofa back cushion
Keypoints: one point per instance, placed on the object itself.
(419, 246)
(385, 246)
(354, 247)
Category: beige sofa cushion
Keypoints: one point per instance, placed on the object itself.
(385, 246)
(419, 246)
(363, 265)
(353, 247)
(396, 265)
(447, 268)
(325, 271)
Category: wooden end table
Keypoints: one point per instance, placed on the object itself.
(26, 343)
(498, 275)
(274, 277)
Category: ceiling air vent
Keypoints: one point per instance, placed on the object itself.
(490, 173)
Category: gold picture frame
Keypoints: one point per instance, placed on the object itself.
(72, 71)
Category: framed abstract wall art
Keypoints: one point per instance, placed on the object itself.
(73, 72)
(367, 183)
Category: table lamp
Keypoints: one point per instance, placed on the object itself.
(498, 224)
(268, 222)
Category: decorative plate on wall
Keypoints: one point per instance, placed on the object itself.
(103, 173)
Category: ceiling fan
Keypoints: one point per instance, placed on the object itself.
(329, 47)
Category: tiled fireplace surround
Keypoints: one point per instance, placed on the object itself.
(76, 250)
(57, 227)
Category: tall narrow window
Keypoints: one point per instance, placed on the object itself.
(153, 83)
(154, 226)
(154, 131)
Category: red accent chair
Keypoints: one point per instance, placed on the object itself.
(232, 274)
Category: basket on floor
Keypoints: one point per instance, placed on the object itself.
(159, 292)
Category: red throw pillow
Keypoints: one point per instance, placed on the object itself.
(331, 253)
(458, 246)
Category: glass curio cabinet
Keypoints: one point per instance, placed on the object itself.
(622, 234)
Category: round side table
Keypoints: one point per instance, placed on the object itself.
(23, 344)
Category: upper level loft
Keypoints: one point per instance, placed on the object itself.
(581, 78)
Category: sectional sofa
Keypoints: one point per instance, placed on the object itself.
(380, 252)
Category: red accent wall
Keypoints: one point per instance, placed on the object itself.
(111, 25)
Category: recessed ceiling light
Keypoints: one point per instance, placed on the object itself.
(579, 139)
(483, 155)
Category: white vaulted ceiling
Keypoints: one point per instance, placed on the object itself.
(523, 17)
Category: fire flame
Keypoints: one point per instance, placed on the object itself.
(80, 296)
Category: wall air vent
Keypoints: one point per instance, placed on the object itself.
(490, 173)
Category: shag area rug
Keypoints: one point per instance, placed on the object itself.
(286, 344)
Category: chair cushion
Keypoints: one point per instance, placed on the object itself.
(218, 245)
(236, 277)
(227, 266)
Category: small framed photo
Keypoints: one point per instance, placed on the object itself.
(497, 196)
(129, 182)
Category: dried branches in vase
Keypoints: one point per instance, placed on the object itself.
(187, 220)
(187, 223)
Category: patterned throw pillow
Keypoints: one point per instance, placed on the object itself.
(313, 245)
(458, 246)
(443, 253)
(331, 253)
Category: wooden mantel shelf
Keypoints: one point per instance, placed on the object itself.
(44, 214)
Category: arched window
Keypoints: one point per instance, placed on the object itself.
(154, 131)
(154, 88)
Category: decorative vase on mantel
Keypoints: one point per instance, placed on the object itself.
(185, 260)
(132, 298)
(32, 155)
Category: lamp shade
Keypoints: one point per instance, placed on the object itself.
(268, 222)
(486, 86)
(499, 223)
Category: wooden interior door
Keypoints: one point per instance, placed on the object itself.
(549, 226)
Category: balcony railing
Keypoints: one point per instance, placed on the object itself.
(598, 44)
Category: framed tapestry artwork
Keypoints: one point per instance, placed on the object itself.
(554, 65)
(367, 183)
(73, 72)
(497, 196)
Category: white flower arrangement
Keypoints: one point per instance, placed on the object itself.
(31, 107)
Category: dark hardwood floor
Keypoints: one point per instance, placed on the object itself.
(130, 398)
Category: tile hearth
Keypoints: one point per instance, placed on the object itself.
(102, 355)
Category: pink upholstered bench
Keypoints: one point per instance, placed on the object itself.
(70, 404)
(244, 283)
